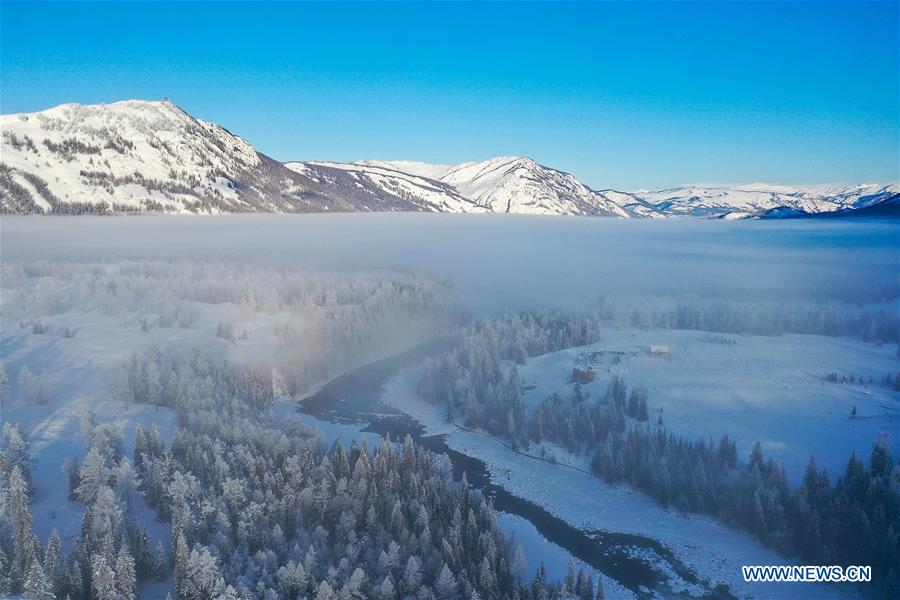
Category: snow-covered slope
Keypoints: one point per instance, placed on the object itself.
(509, 184)
(413, 167)
(377, 183)
(515, 184)
(152, 156)
(635, 205)
(754, 199)
(138, 155)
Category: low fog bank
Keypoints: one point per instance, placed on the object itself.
(506, 262)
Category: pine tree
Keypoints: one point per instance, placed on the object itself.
(54, 566)
(93, 475)
(26, 384)
(412, 576)
(75, 580)
(103, 579)
(127, 482)
(445, 586)
(643, 411)
(22, 536)
(569, 582)
(881, 461)
(37, 585)
(387, 588)
(325, 592)
(181, 558)
(202, 579)
(4, 574)
(160, 564)
(125, 577)
(105, 515)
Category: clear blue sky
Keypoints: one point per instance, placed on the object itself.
(622, 95)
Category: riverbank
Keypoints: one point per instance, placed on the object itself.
(710, 550)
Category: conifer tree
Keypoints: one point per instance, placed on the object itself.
(125, 576)
(37, 585)
(103, 579)
(54, 562)
(22, 536)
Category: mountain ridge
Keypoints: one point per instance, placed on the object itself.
(152, 156)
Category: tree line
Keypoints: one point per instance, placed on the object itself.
(853, 521)
(257, 509)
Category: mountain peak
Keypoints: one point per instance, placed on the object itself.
(151, 155)
(139, 155)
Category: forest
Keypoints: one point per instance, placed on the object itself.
(257, 510)
(852, 520)
(154, 439)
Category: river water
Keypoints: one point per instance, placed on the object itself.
(355, 397)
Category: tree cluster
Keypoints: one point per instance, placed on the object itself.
(854, 522)
(872, 322)
(469, 379)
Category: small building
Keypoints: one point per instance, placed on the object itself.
(660, 351)
(582, 375)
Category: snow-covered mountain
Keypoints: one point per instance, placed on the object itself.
(515, 184)
(742, 201)
(506, 184)
(152, 156)
(413, 167)
(377, 182)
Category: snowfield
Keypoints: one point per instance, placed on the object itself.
(767, 389)
(140, 155)
(328, 293)
(711, 550)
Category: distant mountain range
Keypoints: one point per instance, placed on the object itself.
(141, 156)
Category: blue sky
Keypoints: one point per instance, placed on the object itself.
(622, 95)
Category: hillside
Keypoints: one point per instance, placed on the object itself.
(143, 156)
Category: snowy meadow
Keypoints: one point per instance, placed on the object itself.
(706, 394)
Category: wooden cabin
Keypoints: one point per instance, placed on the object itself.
(582, 375)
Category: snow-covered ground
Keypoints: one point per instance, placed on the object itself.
(75, 371)
(711, 550)
(767, 389)
(554, 558)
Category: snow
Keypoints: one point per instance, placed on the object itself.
(75, 370)
(555, 559)
(767, 389)
(168, 147)
(433, 195)
(710, 549)
(515, 184)
(758, 197)
(413, 167)
(508, 184)
(184, 159)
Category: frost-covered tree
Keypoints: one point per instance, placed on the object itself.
(125, 575)
(387, 590)
(105, 516)
(160, 564)
(22, 536)
(14, 452)
(103, 579)
(54, 562)
(201, 579)
(26, 384)
(445, 586)
(118, 386)
(127, 482)
(37, 584)
(93, 475)
(4, 383)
